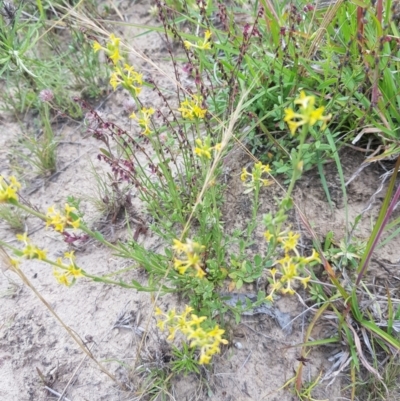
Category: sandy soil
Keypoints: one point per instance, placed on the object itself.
(36, 351)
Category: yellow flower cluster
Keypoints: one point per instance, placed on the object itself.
(111, 49)
(207, 340)
(60, 222)
(191, 109)
(255, 177)
(68, 271)
(188, 257)
(205, 45)
(308, 114)
(203, 149)
(128, 78)
(144, 119)
(30, 251)
(124, 75)
(8, 191)
(290, 266)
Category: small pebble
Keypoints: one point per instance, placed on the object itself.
(238, 345)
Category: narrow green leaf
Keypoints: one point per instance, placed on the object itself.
(379, 332)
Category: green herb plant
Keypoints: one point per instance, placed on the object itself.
(277, 80)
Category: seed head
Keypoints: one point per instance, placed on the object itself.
(46, 95)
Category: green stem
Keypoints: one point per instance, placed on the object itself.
(297, 170)
(253, 223)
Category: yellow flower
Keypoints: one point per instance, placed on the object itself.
(188, 310)
(294, 125)
(8, 192)
(115, 56)
(144, 120)
(270, 298)
(305, 281)
(290, 242)
(114, 80)
(97, 46)
(75, 271)
(70, 270)
(205, 45)
(70, 256)
(114, 41)
(244, 175)
(60, 222)
(15, 263)
(305, 101)
(255, 176)
(314, 257)
(133, 75)
(203, 149)
(191, 109)
(288, 289)
(111, 49)
(41, 254)
(268, 236)
(14, 182)
(188, 257)
(128, 78)
(31, 251)
(216, 332)
(204, 359)
(307, 115)
(196, 321)
(207, 340)
(22, 237)
(62, 278)
(179, 246)
(317, 115)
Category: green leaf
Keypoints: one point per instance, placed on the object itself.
(105, 152)
(379, 332)
(261, 296)
(360, 3)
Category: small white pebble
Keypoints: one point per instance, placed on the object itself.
(238, 345)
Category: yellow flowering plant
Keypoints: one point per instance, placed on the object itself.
(188, 257)
(144, 119)
(201, 45)
(112, 48)
(254, 180)
(60, 221)
(204, 148)
(128, 78)
(289, 268)
(67, 274)
(9, 189)
(174, 162)
(307, 116)
(192, 108)
(30, 251)
(207, 340)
